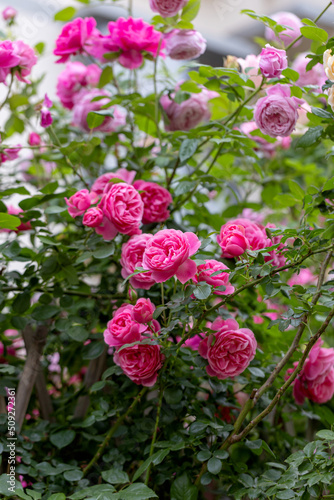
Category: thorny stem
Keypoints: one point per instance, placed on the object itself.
(154, 437)
(9, 91)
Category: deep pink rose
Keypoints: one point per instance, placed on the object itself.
(76, 37)
(80, 202)
(156, 201)
(123, 206)
(34, 139)
(27, 58)
(229, 351)
(314, 76)
(167, 8)
(10, 154)
(250, 67)
(93, 217)
(9, 13)
(102, 181)
(122, 329)
(8, 59)
(184, 44)
(290, 34)
(132, 38)
(46, 118)
(132, 258)
(188, 114)
(75, 77)
(143, 310)
(232, 240)
(205, 271)
(84, 104)
(167, 254)
(316, 380)
(272, 61)
(140, 363)
(276, 114)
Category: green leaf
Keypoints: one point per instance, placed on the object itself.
(204, 455)
(222, 454)
(291, 74)
(197, 427)
(286, 494)
(314, 33)
(214, 465)
(94, 350)
(57, 496)
(183, 489)
(94, 119)
(62, 439)
(329, 184)
(41, 313)
(325, 434)
(13, 250)
(296, 189)
(78, 333)
(136, 491)
(257, 372)
(21, 303)
(310, 137)
(73, 475)
(156, 459)
(115, 476)
(202, 291)
(93, 492)
(322, 113)
(105, 251)
(8, 221)
(107, 76)
(188, 149)
(190, 10)
(65, 14)
(173, 396)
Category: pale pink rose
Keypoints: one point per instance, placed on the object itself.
(156, 201)
(132, 259)
(268, 149)
(184, 44)
(167, 8)
(9, 13)
(102, 181)
(205, 271)
(53, 360)
(232, 240)
(167, 254)
(34, 139)
(293, 24)
(140, 363)
(188, 114)
(122, 329)
(316, 380)
(304, 277)
(124, 208)
(257, 217)
(80, 202)
(272, 61)
(73, 78)
(314, 76)
(228, 351)
(28, 59)
(143, 310)
(85, 104)
(132, 39)
(93, 217)
(78, 36)
(250, 67)
(276, 114)
(8, 59)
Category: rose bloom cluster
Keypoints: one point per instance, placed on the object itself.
(134, 324)
(316, 380)
(241, 234)
(16, 58)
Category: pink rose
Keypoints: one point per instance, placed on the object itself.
(229, 351)
(132, 39)
(184, 44)
(93, 217)
(167, 8)
(272, 61)
(8, 59)
(84, 104)
(205, 271)
(268, 149)
(28, 59)
(24, 226)
(140, 363)
(276, 114)
(9, 13)
(102, 181)
(73, 78)
(34, 139)
(316, 380)
(80, 202)
(10, 154)
(122, 329)
(250, 67)
(194, 342)
(304, 277)
(167, 254)
(78, 36)
(315, 76)
(46, 118)
(288, 35)
(188, 114)
(123, 206)
(156, 201)
(143, 310)
(132, 259)
(106, 229)
(232, 240)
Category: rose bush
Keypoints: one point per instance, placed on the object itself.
(166, 284)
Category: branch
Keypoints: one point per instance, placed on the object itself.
(147, 477)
